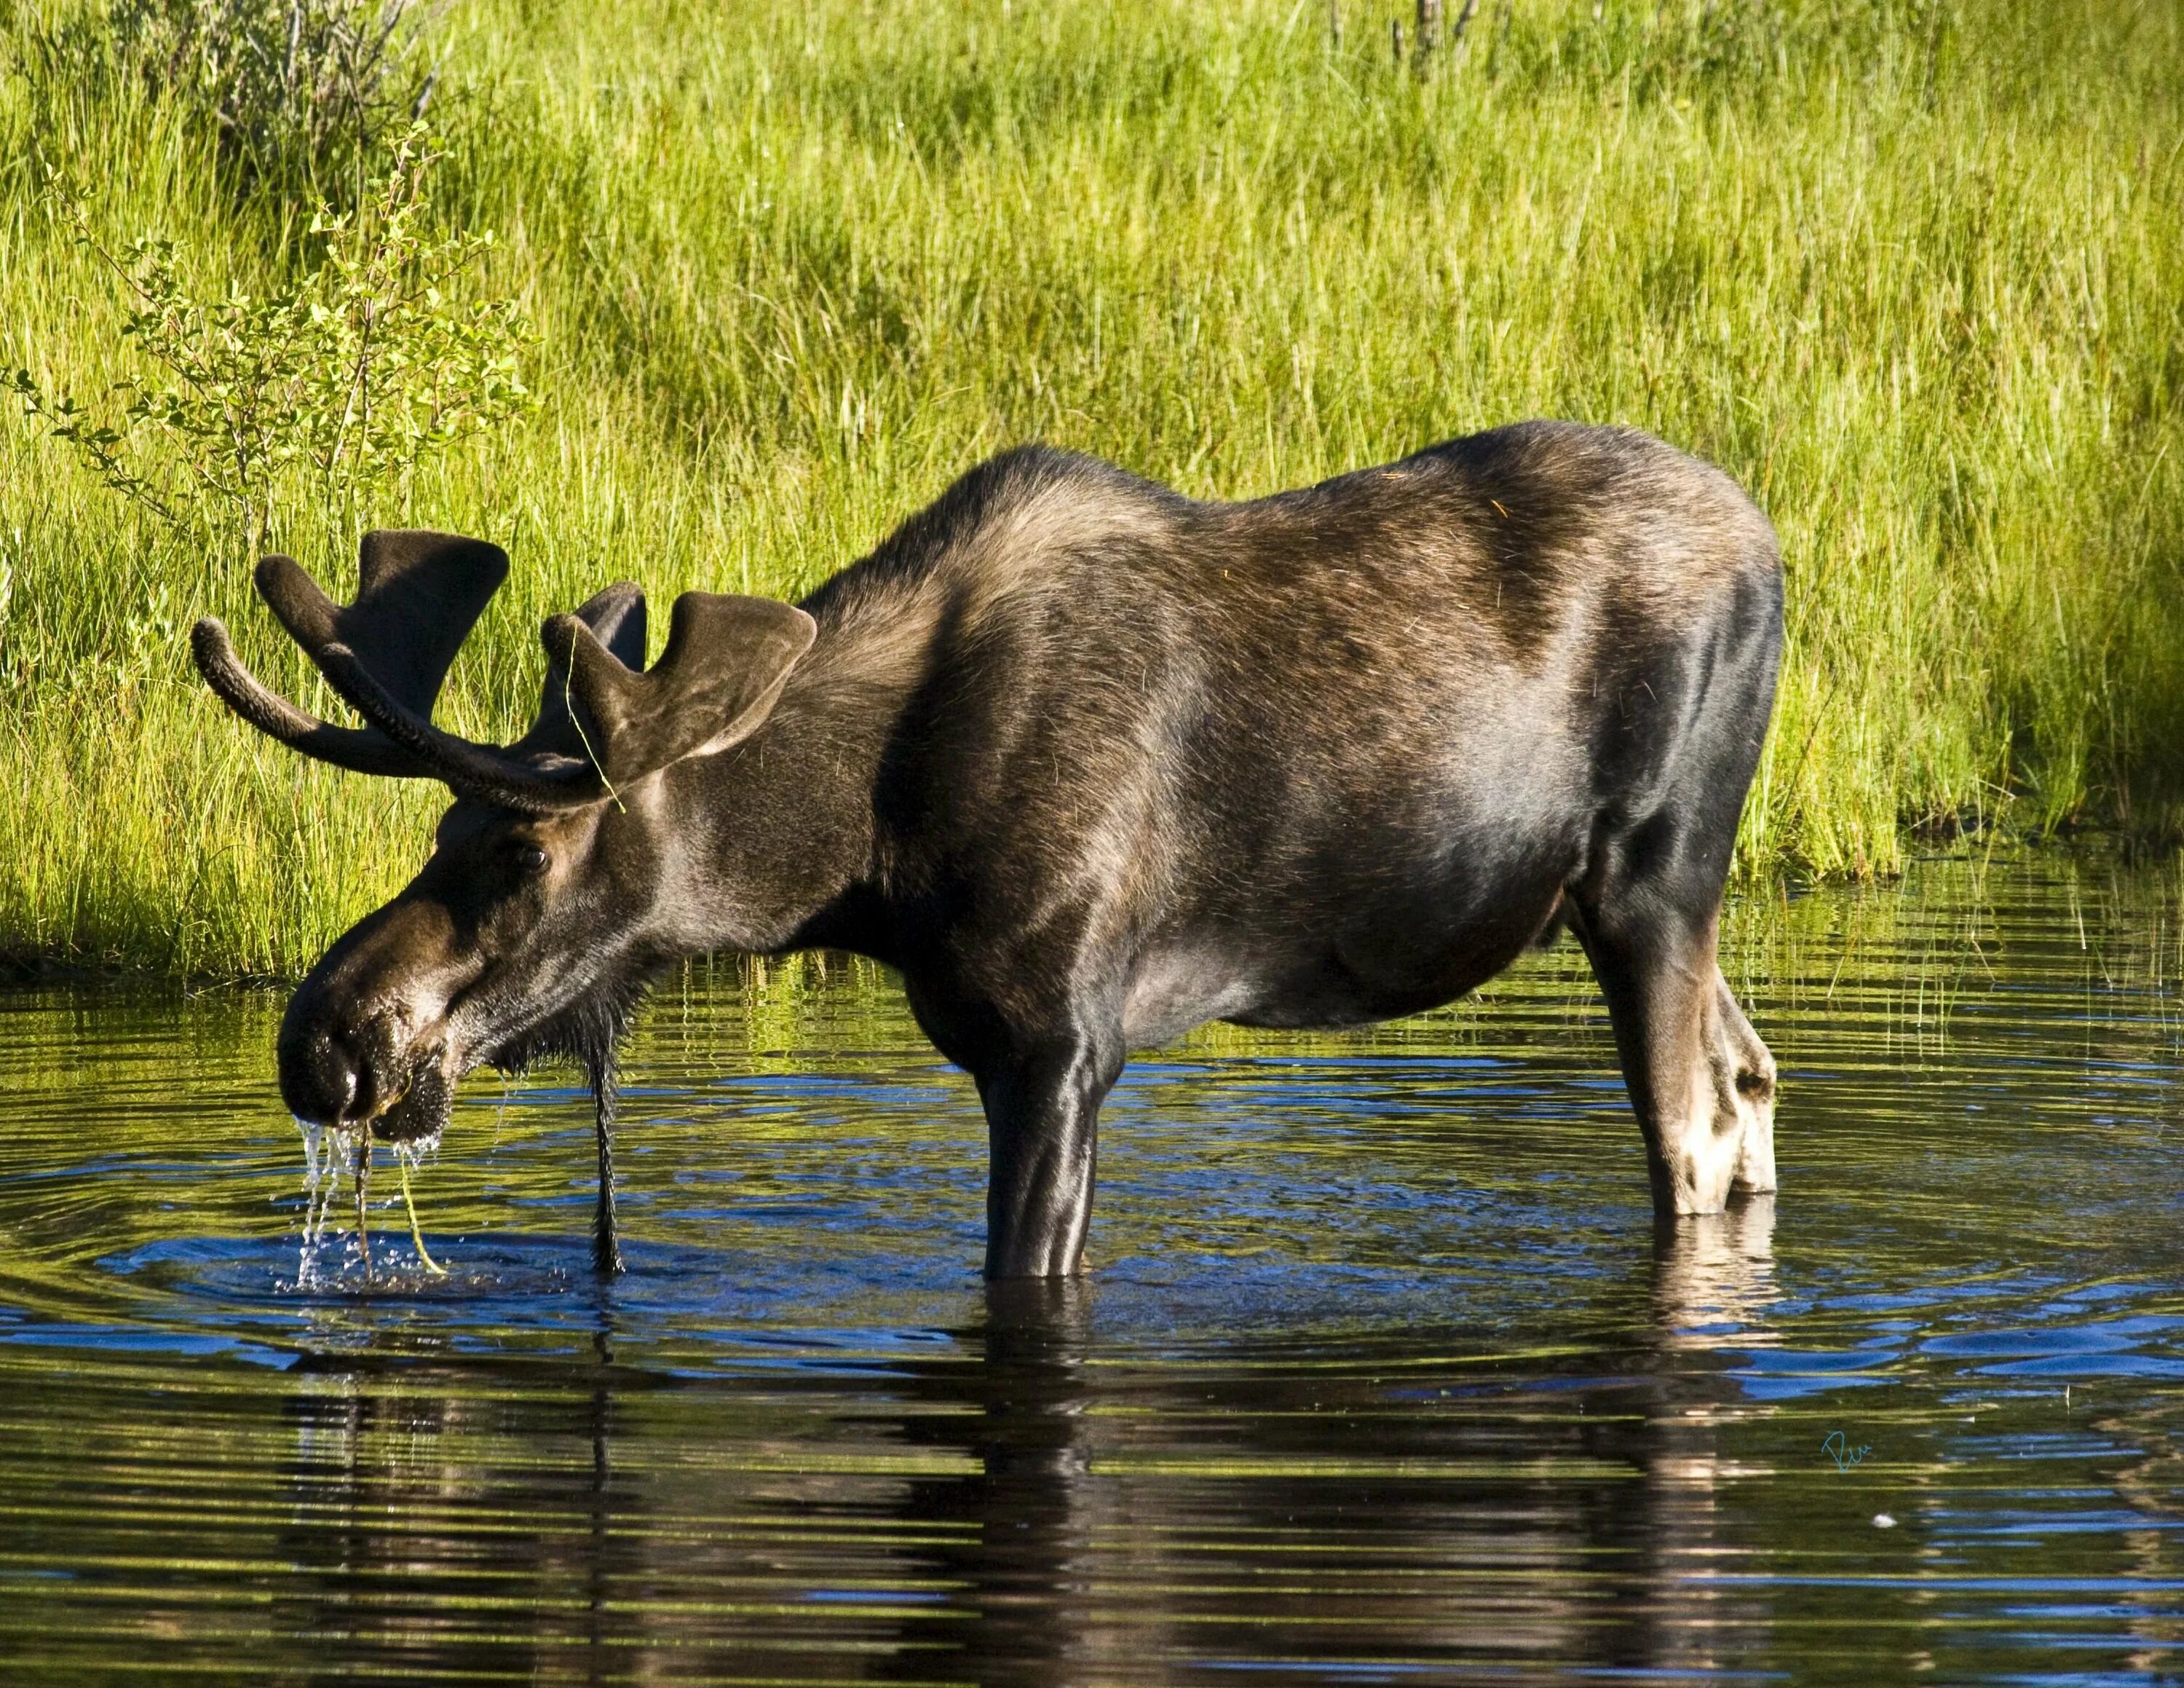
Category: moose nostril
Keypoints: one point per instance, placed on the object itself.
(336, 1077)
(320, 1081)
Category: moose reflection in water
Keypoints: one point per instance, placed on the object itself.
(1006, 1518)
(1091, 764)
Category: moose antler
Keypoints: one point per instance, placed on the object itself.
(616, 619)
(419, 595)
(603, 719)
(727, 661)
(387, 654)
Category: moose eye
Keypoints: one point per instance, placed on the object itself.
(529, 860)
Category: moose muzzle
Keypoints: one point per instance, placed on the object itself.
(364, 1039)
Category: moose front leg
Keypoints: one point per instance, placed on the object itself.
(1042, 1126)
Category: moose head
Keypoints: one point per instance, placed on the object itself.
(550, 893)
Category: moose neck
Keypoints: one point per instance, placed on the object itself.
(784, 822)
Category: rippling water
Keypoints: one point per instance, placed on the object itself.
(1385, 1371)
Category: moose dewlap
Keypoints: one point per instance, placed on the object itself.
(1089, 762)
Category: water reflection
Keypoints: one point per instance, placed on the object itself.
(1016, 1532)
(1387, 1374)
(1090, 1551)
(1082, 1515)
(1713, 1276)
(1714, 1284)
(398, 1553)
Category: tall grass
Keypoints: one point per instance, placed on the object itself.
(1912, 269)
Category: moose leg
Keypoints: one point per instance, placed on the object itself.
(1042, 1124)
(1701, 1081)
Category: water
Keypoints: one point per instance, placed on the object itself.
(1384, 1373)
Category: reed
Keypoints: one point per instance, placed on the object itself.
(1912, 269)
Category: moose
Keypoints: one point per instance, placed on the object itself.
(1089, 762)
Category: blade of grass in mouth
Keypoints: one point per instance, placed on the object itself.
(416, 1235)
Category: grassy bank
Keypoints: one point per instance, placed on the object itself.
(1915, 272)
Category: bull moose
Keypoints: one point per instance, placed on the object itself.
(1089, 762)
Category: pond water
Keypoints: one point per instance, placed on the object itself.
(1384, 1373)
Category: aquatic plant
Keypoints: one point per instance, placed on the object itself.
(406, 1155)
(1913, 271)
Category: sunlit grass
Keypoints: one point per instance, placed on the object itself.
(1914, 272)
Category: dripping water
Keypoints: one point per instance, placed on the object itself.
(338, 1159)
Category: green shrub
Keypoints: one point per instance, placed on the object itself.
(308, 399)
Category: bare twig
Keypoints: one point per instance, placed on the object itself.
(289, 83)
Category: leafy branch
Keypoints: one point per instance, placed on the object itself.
(367, 364)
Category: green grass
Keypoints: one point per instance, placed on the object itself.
(1914, 272)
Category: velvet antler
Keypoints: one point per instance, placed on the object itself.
(727, 661)
(602, 717)
(418, 596)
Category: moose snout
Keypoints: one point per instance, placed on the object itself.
(345, 1056)
(333, 1075)
(401, 1088)
(368, 1021)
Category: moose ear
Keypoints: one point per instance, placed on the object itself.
(727, 661)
